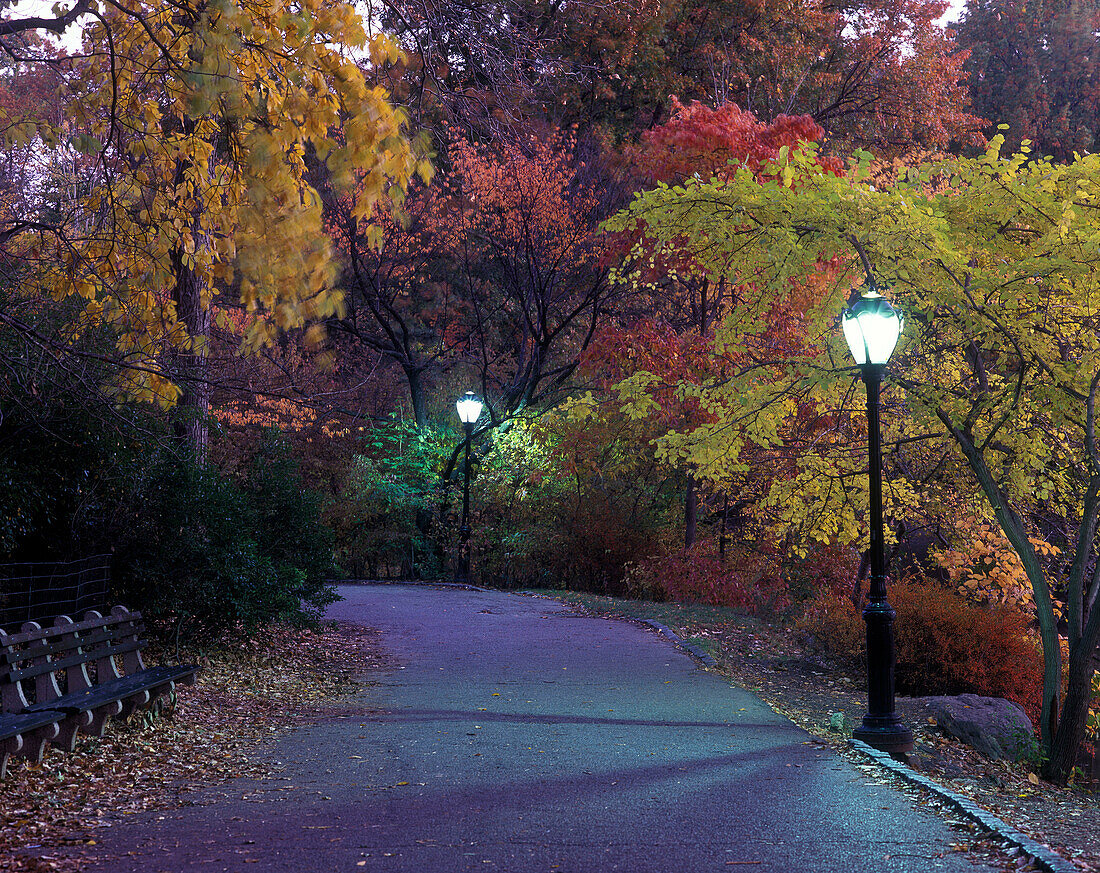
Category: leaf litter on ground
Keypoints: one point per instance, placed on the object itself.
(248, 692)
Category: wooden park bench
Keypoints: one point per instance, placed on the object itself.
(71, 677)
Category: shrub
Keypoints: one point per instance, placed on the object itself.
(383, 515)
(949, 646)
(832, 625)
(945, 645)
(834, 568)
(288, 530)
(200, 553)
(746, 582)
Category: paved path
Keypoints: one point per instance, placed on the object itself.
(518, 736)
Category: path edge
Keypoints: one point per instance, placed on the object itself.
(1039, 854)
(698, 654)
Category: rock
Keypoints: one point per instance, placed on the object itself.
(997, 728)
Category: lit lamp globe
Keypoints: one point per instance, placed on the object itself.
(872, 327)
(469, 408)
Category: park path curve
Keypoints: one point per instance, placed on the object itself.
(514, 734)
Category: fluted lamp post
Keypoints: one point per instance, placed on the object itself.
(469, 411)
(872, 327)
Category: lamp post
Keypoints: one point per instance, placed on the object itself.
(872, 327)
(469, 411)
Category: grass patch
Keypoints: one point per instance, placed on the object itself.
(707, 644)
(686, 619)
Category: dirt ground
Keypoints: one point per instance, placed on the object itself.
(245, 695)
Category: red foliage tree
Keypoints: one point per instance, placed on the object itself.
(699, 140)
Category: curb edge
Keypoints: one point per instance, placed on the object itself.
(426, 583)
(698, 654)
(1041, 855)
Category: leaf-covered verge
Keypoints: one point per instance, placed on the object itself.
(808, 690)
(247, 693)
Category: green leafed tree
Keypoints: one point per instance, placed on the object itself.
(995, 262)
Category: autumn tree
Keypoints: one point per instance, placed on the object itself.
(1035, 66)
(879, 73)
(531, 262)
(997, 276)
(402, 302)
(195, 120)
(876, 72)
(486, 68)
(662, 274)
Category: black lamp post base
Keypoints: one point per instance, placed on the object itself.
(885, 733)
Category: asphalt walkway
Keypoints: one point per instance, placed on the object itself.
(515, 735)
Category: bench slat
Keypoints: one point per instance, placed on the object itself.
(25, 636)
(13, 724)
(71, 639)
(116, 689)
(39, 666)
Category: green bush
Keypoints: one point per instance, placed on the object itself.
(66, 463)
(288, 527)
(384, 517)
(202, 553)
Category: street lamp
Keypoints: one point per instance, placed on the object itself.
(469, 411)
(872, 327)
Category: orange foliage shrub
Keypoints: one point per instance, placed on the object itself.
(696, 575)
(945, 645)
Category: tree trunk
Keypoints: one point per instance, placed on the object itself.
(191, 426)
(1013, 528)
(691, 512)
(415, 379)
(1072, 719)
(722, 535)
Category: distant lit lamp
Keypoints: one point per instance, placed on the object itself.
(469, 411)
(872, 327)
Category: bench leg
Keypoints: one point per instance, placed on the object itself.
(66, 737)
(34, 742)
(99, 718)
(132, 703)
(8, 746)
(148, 700)
(163, 691)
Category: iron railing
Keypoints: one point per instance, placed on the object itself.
(41, 591)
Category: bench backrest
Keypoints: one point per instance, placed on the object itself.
(69, 656)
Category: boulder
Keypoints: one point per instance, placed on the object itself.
(997, 728)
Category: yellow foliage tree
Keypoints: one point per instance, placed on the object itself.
(196, 119)
(995, 260)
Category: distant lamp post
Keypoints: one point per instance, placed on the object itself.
(872, 327)
(469, 411)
